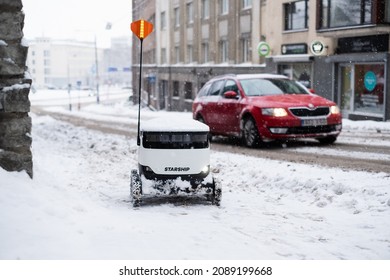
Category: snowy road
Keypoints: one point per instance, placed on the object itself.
(366, 149)
(77, 206)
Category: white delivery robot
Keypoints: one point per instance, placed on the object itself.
(173, 159)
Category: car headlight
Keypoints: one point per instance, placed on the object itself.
(206, 169)
(274, 112)
(334, 109)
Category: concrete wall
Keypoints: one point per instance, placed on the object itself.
(15, 124)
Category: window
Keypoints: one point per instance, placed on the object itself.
(46, 53)
(190, 13)
(175, 89)
(175, 140)
(223, 7)
(163, 56)
(216, 88)
(245, 49)
(387, 12)
(301, 72)
(295, 15)
(246, 4)
(230, 86)
(177, 17)
(190, 54)
(163, 21)
(205, 52)
(223, 50)
(205, 9)
(341, 13)
(187, 90)
(369, 88)
(204, 90)
(177, 55)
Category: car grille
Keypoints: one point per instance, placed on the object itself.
(307, 112)
(311, 129)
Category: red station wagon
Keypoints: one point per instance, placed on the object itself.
(265, 107)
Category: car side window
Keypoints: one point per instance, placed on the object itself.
(230, 86)
(216, 88)
(204, 91)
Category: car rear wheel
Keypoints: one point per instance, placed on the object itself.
(251, 137)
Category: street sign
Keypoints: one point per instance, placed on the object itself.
(263, 49)
(141, 28)
(317, 47)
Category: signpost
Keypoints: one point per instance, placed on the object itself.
(141, 29)
(263, 49)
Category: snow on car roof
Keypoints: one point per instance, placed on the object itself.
(170, 124)
(261, 76)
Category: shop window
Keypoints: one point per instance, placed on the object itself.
(295, 15)
(369, 88)
(187, 90)
(301, 72)
(342, 13)
(175, 89)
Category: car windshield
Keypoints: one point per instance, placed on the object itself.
(258, 87)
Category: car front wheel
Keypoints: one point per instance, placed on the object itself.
(251, 137)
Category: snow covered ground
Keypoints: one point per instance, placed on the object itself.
(78, 206)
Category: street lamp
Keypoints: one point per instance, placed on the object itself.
(108, 27)
(97, 74)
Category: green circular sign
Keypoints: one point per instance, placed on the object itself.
(263, 49)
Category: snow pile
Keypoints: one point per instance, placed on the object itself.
(78, 206)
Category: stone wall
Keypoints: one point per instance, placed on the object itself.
(15, 123)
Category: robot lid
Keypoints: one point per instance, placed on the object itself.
(173, 124)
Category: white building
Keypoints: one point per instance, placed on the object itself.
(57, 63)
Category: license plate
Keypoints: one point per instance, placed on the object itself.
(314, 122)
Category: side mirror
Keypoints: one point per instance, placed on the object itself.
(230, 94)
(312, 90)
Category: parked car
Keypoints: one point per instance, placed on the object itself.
(265, 107)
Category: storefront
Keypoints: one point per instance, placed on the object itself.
(361, 77)
(295, 63)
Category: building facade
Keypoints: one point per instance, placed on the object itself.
(58, 63)
(338, 48)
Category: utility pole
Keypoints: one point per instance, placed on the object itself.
(97, 73)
